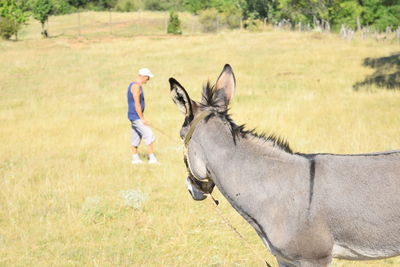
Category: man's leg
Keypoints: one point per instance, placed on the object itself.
(150, 149)
(135, 141)
(149, 138)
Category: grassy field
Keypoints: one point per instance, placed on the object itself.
(64, 138)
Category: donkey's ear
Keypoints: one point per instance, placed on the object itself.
(225, 85)
(181, 97)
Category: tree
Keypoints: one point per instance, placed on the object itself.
(61, 7)
(107, 3)
(78, 3)
(41, 10)
(195, 6)
(13, 14)
(346, 12)
(307, 11)
(174, 24)
(380, 13)
(260, 9)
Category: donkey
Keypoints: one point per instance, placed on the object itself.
(306, 208)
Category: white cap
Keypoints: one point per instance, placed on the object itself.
(145, 72)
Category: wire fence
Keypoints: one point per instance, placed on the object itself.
(130, 24)
(346, 32)
(111, 23)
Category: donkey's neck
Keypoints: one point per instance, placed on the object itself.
(248, 165)
(252, 173)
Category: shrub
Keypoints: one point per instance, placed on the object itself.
(210, 19)
(7, 28)
(41, 10)
(232, 17)
(153, 5)
(62, 7)
(174, 24)
(253, 24)
(13, 14)
(128, 5)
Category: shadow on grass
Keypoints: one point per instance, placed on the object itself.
(386, 75)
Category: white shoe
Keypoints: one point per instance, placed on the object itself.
(137, 161)
(153, 161)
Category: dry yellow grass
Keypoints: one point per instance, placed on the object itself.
(64, 139)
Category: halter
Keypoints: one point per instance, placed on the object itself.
(189, 136)
(193, 127)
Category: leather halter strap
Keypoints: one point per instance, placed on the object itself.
(193, 126)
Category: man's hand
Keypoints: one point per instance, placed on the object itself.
(146, 122)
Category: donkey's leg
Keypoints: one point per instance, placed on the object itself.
(316, 263)
(286, 264)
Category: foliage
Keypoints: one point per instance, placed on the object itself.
(41, 10)
(93, 4)
(61, 7)
(220, 14)
(156, 5)
(78, 3)
(378, 14)
(174, 24)
(252, 23)
(14, 14)
(106, 3)
(346, 13)
(195, 6)
(6, 28)
(165, 4)
(210, 18)
(260, 9)
(381, 13)
(232, 17)
(128, 5)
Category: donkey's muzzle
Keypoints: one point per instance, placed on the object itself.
(194, 190)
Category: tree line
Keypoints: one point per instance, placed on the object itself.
(377, 14)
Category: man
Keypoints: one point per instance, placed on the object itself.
(140, 126)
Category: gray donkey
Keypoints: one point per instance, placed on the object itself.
(306, 208)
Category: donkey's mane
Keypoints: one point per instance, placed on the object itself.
(209, 100)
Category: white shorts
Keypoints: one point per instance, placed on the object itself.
(139, 131)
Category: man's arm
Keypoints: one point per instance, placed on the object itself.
(135, 89)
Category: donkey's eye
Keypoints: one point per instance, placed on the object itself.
(187, 121)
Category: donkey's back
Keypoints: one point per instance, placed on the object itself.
(359, 197)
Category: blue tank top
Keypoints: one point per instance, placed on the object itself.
(132, 114)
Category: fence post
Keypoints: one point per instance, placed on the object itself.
(398, 33)
(79, 22)
(358, 24)
(343, 32)
(166, 24)
(111, 22)
(15, 27)
(193, 21)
